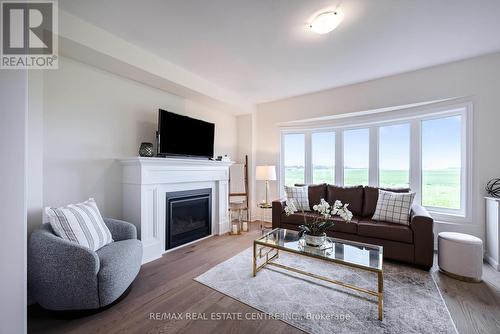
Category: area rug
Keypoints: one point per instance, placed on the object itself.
(412, 301)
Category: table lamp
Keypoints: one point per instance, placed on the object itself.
(266, 173)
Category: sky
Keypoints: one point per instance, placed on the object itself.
(356, 148)
(323, 148)
(441, 143)
(440, 146)
(394, 146)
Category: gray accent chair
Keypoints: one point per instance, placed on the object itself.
(65, 276)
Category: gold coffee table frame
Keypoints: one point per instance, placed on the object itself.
(258, 254)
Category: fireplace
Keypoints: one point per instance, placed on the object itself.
(146, 181)
(188, 216)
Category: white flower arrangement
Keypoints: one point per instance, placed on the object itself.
(319, 224)
(290, 208)
(327, 211)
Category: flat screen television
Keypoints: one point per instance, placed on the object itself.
(180, 135)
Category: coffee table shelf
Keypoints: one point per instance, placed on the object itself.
(337, 251)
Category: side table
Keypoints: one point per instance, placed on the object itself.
(265, 211)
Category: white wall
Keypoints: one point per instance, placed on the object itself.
(35, 149)
(478, 78)
(91, 118)
(244, 123)
(90, 44)
(13, 113)
(245, 147)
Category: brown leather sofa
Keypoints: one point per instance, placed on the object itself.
(411, 244)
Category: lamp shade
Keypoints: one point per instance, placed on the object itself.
(265, 173)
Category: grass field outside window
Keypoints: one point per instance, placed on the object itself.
(440, 188)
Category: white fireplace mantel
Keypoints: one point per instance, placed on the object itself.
(146, 182)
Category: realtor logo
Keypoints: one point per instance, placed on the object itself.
(29, 38)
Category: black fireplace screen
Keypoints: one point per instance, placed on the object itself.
(188, 216)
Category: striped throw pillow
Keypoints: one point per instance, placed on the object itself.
(80, 223)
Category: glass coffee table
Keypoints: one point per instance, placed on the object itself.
(343, 252)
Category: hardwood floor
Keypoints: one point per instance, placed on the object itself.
(474, 307)
(167, 286)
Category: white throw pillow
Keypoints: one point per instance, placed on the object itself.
(394, 207)
(80, 223)
(299, 195)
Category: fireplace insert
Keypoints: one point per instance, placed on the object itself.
(188, 216)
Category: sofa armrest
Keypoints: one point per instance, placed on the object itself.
(120, 230)
(278, 208)
(422, 225)
(62, 275)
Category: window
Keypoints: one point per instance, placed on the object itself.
(323, 157)
(426, 149)
(356, 157)
(294, 158)
(441, 162)
(394, 156)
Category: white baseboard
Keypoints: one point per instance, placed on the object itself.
(493, 263)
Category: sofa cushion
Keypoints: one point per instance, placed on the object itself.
(371, 197)
(388, 231)
(351, 195)
(298, 218)
(339, 226)
(344, 227)
(120, 263)
(316, 193)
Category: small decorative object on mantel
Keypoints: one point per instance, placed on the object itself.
(314, 231)
(224, 158)
(493, 187)
(146, 150)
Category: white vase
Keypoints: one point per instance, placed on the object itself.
(315, 241)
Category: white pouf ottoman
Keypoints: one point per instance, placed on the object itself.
(460, 256)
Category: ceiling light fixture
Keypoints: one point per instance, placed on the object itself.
(325, 22)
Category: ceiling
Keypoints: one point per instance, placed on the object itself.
(262, 50)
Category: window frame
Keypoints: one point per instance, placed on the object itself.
(464, 213)
(412, 116)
